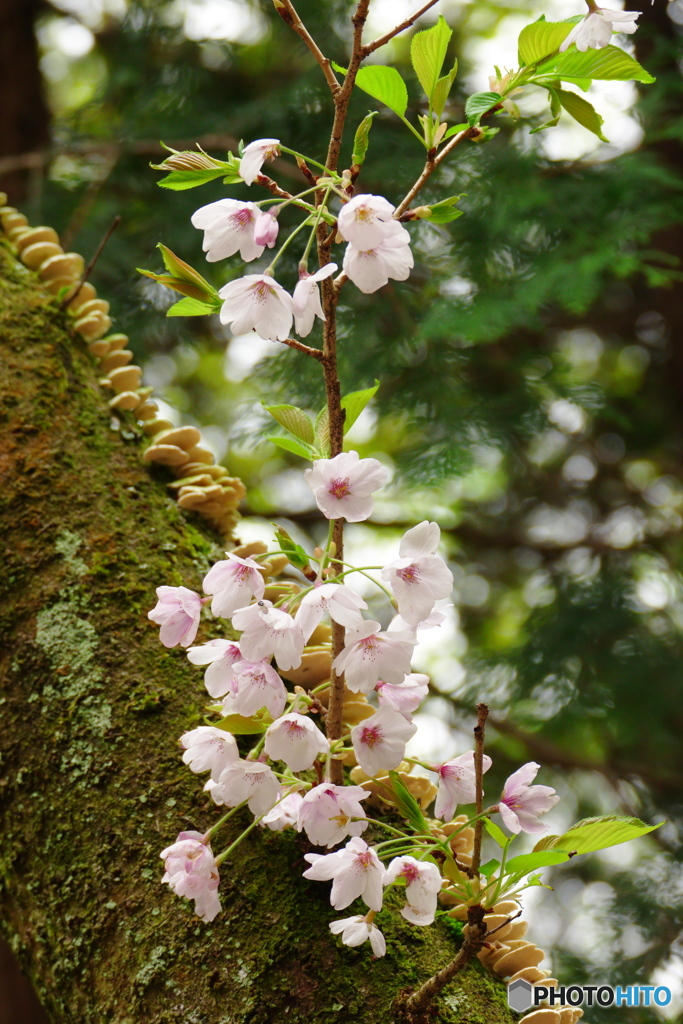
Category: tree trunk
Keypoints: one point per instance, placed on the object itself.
(93, 786)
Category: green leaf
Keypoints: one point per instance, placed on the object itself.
(322, 432)
(609, 63)
(541, 39)
(455, 129)
(444, 212)
(428, 52)
(384, 84)
(407, 804)
(497, 833)
(354, 403)
(295, 553)
(597, 834)
(539, 859)
(582, 111)
(181, 180)
(190, 307)
(294, 420)
(442, 90)
(542, 127)
(361, 139)
(240, 726)
(489, 867)
(479, 103)
(289, 445)
(178, 285)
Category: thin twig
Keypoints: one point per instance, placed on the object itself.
(300, 347)
(272, 186)
(382, 40)
(88, 270)
(289, 15)
(430, 166)
(479, 734)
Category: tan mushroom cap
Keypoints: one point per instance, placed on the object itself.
(183, 437)
(525, 955)
(125, 400)
(92, 327)
(67, 264)
(166, 454)
(530, 974)
(55, 284)
(126, 378)
(36, 254)
(541, 1017)
(84, 293)
(114, 360)
(117, 341)
(33, 235)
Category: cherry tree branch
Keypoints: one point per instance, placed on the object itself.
(382, 40)
(432, 162)
(286, 10)
(479, 733)
(300, 347)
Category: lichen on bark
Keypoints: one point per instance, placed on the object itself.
(92, 784)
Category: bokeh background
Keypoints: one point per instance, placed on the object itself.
(531, 394)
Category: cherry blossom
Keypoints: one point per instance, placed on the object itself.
(232, 582)
(398, 624)
(296, 740)
(370, 269)
(419, 577)
(379, 742)
(356, 871)
(246, 780)
(257, 302)
(254, 156)
(342, 604)
(326, 812)
(371, 655)
(266, 228)
(220, 655)
(269, 631)
(228, 225)
(366, 221)
(404, 697)
(521, 804)
(595, 31)
(342, 486)
(177, 611)
(457, 784)
(355, 930)
(284, 814)
(191, 871)
(423, 884)
(306, 299)
(209, 749)
(255, 685)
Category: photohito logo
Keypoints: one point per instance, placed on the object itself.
(522, 996)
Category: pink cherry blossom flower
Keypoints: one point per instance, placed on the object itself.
(246, 780)
(370, 269)
(356, 872)
(355, 930)
(209, 749)
(296, 740)
(366, 221)
(419, 578)
(404, 697)
(269, 631)
(342, 604)
(254, 156)
(423, 884)
(342, 486)
(255, 685)
(521, 804)
(371, 655)
(228, 225)
(257, 302)
(191, 871)
(177, 611)
(284, 814)
(457, 784)
(398, 624)
(379, 742)
(326, 813)
(266, 228)
(595, 31)
(306, 298)
(220, 655)
(232, 582)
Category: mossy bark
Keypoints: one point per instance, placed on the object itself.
(92, 785)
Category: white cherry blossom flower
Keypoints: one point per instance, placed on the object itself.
(284, 814)
(356, 930)
(356, 871)
(366, 221)
(521, 804)
(371, 655)
(296, 740)
(177, 611)
(398, 624)
(404, 697)
(246, 780)
(306, 298)
(257, 302)
(269, 631)
(209, 749)
(255, 155)
(370, 269)
(342, 486)
(423, 884)
(232, 582)
(255, 685)
(342, 604)
(595, 31)
(228, 225)
(326, 813)
(191, 871)
(379, 742)
(220, 655)
(266, 229)
(419, 578)
(457, 784)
